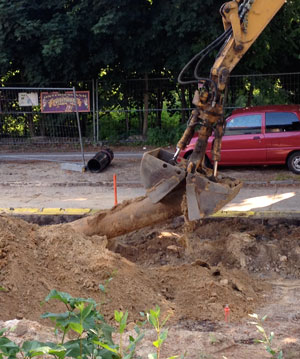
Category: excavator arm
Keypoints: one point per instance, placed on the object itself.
(206, 191)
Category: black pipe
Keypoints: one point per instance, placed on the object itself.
(101, 160)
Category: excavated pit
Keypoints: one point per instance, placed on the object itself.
(190, 272)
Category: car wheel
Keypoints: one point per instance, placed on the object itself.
(294, 162)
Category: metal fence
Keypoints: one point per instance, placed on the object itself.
(126, 111)
(36, 116)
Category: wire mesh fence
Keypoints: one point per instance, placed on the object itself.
(155, 109)
(37, 116)
(160, 107)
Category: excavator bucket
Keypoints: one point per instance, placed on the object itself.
(204, 197)
(159, 176)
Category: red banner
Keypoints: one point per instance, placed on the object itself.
(55, 102)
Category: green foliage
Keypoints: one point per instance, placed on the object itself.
(153, 317)
(266, 339)
(71, 40)
(164, 137)
(93, 336)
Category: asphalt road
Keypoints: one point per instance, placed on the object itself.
(61, 156)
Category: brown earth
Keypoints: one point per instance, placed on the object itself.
(191, 273)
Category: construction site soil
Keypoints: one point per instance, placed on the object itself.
(190, 271)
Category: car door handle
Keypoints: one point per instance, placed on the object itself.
(256, 138)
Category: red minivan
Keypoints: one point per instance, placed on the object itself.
(264, 135)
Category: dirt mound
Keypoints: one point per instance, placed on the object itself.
(192, 275)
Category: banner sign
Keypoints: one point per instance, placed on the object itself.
(55, 102)
(28, 99)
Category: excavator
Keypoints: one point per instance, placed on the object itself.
(189, 187)
(206, 190)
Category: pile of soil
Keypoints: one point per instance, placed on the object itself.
(191, 274)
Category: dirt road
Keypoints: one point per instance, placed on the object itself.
(45, 184)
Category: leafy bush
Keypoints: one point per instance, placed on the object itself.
(92, 335)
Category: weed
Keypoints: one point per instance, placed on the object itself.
(266, 339)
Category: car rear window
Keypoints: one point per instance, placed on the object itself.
(243, 125)
(282, 122)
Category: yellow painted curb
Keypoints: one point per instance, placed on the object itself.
(234, 214)
(260, 214)
(48, 211)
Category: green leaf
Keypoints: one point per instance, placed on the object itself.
(157, 343)
(253, 315)
(280, 355)
(101, 286)
(270, 350)
(118, 316)
(123, 323)
(61, 296)
(152, 320)
(152, 356)
(87, 310)
(260, 328)
(163, 335)
(264, 318)
(8, 347)
(59, 351)
(106, 346)
(258, 341)
(77, 327)
(79, 306)
(165, 320)
(31, 345)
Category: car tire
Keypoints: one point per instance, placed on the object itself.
(294, 162)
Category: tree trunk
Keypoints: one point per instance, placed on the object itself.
(250, 95)
(159, 107)
(146, 106)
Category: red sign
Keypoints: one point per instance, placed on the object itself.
(55, 102)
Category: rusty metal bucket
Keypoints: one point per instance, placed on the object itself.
(204, 196)
(158, 175)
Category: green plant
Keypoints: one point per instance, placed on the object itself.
(153, 317)
(92, 336)
(266, 339)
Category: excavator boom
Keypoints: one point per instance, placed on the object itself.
(206, 190)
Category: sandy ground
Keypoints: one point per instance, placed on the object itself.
(251, 266)
(38, 184)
